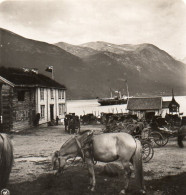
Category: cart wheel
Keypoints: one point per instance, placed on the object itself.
(157, 138)
(165, 139)
(147, 151)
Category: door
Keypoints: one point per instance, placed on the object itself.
(51, 112)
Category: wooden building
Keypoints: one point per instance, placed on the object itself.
(150, 106)
(165, 104)
(26, 95)
(145, 106)
(174, 107)
(170, 107)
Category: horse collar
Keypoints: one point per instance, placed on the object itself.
(80, 148)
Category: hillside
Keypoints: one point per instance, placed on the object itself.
(76, 50)
(91, 69)
(184, 60)
(17, 51)
(148, 69)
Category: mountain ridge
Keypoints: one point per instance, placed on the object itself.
(143, 61)
(89, 73)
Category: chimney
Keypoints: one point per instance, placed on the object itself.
(34, 70)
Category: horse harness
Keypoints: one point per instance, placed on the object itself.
(86, 148)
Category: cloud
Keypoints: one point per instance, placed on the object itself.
(161, 22)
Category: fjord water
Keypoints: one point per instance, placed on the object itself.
(81, 107)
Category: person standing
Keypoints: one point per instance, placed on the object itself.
(57, 120)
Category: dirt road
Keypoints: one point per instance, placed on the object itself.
(32, 172)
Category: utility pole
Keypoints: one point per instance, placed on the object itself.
(52, 73)
(127, 89)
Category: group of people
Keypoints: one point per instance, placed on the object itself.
(72, 123)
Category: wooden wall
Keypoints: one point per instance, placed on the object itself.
(23, 111)
(6, 107)
(16, 115)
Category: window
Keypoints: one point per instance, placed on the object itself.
(52, 93)
(42, 93)
(63, 94)
(61, 109)
(21, 96)
(42, 111)
(59, 94)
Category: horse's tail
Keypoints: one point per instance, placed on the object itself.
(138, 164)
(6, 159)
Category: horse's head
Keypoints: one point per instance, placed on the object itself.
(55, 160)
(68, 150)
(58, 162)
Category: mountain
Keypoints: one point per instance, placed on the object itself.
(148, 69)
(76, 50)
(17, 51)
(90, 70)
(104, 46)
(183, 60)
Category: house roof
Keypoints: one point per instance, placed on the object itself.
(4, 81)
(144, 103)
(165, 104)
(19, 78)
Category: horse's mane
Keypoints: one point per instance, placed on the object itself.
(6, 159)
(80, 136)
(86, 131)
(69, 139)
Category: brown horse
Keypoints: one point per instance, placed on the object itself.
(107, 147)
(6, 159)
(181, 135)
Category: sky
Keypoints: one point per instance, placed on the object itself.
(159, 22)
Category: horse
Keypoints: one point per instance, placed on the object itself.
(107, 147)
(181, 135)
(6, 159)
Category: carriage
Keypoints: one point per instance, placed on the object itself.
(174, 120)
(72, 123)
(183, 121)
(88, 119)
(165, 128)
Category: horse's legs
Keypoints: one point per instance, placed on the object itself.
(90, 167)
(180, 139)
(127, 174)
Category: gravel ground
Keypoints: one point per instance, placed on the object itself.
(32, 172)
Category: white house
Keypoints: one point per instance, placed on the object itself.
(50, 103)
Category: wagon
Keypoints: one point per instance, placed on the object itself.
(147, 148)
(88, 119)
(155, 136)
(72, 123)
(183, 121)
